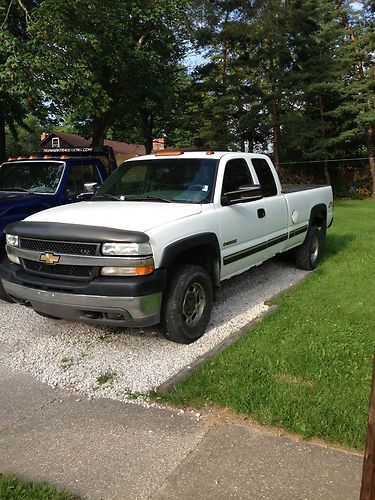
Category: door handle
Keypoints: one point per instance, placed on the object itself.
(261, 213)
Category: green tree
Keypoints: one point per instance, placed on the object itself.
(18, 92)
(102, 61)
(359, 25)
(27, 137)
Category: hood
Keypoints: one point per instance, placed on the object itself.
(125, 215)
(10, 197)
(17, 205)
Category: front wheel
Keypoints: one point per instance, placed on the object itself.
(309, 253)
(49, 316)
(3, 295)
(188, 304)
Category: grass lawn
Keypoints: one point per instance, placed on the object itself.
(12, 488)
(307, 367)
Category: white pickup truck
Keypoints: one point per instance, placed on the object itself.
(159, 236)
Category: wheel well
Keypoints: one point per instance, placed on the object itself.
(318, 217)
(204, 256)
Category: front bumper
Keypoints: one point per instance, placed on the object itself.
(133, 301)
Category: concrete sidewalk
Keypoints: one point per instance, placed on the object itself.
(105, 449)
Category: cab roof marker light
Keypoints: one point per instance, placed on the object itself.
(21, 157)
(11, 158)
(210, 152)
(169, 152)
(32, 157)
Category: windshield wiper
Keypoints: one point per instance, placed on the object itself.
(106, 196)
(16, 188)
(147, 198)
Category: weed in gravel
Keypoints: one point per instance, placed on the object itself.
(133, 395)
(105, 337)
(106, 377)
(66, 363)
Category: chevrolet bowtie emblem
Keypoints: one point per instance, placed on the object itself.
(49, 258)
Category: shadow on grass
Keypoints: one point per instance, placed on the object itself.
(337, 242)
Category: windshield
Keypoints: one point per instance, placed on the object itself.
(33, 176)
(179, 180)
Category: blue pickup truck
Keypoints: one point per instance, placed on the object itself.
(29, 185)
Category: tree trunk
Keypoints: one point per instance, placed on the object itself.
(327, 174)
(276, 133)
(100, 128)
(147, 128)
(2, 138)
(98, 137)
(371, 160)
(368, 470)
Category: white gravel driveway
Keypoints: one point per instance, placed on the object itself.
(119, 363)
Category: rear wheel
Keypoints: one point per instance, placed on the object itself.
(188, 305)
(309, 253)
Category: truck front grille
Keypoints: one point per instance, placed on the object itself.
(60, 247)
(62, 271)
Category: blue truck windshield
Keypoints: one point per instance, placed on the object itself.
(33, 176)
(187, 180)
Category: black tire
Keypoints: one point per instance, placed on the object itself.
(49, 316)
(3, 295)
(187, 305)
(309, 253)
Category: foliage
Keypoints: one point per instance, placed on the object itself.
(293, 78)
(106, 377)
(12, 488)
(26, 139)
(18, 92)
(307, 367)
(100, 62)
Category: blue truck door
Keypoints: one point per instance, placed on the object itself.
(77, 175)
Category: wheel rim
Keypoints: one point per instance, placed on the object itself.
(193, 304)
(314, 249)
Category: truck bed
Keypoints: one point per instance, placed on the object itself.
(294, 188)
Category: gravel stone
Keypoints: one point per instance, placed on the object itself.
(74, 355)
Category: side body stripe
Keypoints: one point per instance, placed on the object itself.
(229, 259)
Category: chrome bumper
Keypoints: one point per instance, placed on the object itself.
(96, 309)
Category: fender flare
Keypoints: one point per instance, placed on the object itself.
(176, 248)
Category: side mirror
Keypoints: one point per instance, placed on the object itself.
(90, 188)
(243, 194)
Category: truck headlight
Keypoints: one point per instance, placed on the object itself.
(126, 249)
(12, 240)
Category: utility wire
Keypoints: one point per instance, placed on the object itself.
(322, 161)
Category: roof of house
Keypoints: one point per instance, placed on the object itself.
(77, 141)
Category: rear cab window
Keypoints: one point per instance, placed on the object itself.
(265, 176)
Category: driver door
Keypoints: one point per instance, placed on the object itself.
(243, 239)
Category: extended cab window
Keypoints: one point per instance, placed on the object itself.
(265, 176)
(236, 174)
(79, 175)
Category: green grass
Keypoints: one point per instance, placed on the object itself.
(106, 377)
(307, 367)
(12, 488)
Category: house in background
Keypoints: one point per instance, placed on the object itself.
(122, 150)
